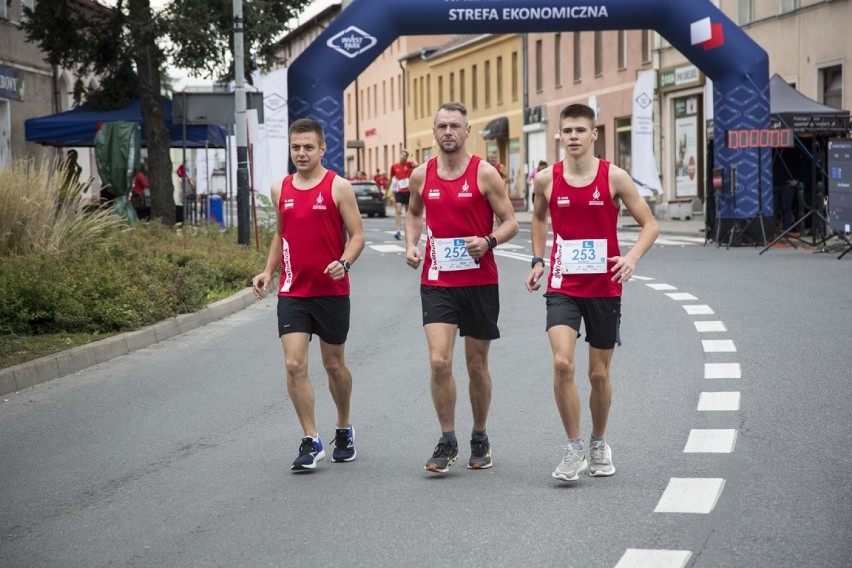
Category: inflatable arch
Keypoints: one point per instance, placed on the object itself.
(738, 67)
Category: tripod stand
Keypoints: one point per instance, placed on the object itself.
(819, 225)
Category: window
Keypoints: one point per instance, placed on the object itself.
(647, 43)
(598, 54)
(441, 88)
(499, 80)
(375, 100)
(539, 74)
(831, 86)
(348, 108)
(623, 143)
(401, 90)
(622, 50)
(384, 96)
(788, 6)
(474, 90)
(391, 95)
(29, 4)
(487, 84)
(3, 11)
(557, 60)
(578, 75)
(744, 12)
(461, 86)
(515, 78)
(452, 86)
(428, 109)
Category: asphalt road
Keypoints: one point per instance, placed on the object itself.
(178, 454)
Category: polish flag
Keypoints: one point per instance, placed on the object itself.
(707, 34)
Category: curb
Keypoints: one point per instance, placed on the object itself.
(19, 377)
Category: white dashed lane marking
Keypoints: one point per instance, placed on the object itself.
(649, 558)
(661, 286)
(681, 296)
(690, 495)
(709, 326)
(718, 346)
(387, 248)
(722, 371)
(710, 442)
(719, 401)
(698, 310)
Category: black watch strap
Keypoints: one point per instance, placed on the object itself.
(345, 264)
(492, 241)
(536, 260)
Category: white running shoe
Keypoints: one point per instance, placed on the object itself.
(600, 455)
(572, 464)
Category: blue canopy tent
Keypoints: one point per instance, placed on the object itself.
(78, 127)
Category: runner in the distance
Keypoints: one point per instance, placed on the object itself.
(401, 178)
(459, 194)
(583, 195)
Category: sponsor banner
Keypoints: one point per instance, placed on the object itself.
(643, 164)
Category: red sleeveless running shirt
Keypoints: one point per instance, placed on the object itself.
(312, 236)
(455, 209)
(585, 219)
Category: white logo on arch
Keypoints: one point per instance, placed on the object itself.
(351, 42)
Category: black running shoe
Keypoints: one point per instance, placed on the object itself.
(344, 445)
(445, 455)
(480, 453)
(311, 453)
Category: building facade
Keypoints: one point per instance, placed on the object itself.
(597, 68)
(374, 117)
(485, 72)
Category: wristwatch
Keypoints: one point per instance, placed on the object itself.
(536, 260)
(345, 264)
(492, 241)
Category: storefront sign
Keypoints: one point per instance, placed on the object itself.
(683, 77)
(11, 84)
(686, 117)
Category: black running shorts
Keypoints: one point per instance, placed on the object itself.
(401, 197)
(474, 309)
(601, 316)
(326, 316)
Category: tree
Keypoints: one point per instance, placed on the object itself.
(127, 46)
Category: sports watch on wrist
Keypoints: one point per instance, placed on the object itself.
(536, 260)
(492, 241)
(345, 264)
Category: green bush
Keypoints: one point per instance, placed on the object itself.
(150, 273)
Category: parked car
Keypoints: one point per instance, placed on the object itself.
(371, 199)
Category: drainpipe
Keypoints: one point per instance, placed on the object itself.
(403, 82)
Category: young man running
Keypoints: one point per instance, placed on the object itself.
(583, 195)
(459, 194)
(315, 207)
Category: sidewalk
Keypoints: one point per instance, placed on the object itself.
(18, 377)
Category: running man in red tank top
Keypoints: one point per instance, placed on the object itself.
(586, 272)
(315, 208)
(459, 194)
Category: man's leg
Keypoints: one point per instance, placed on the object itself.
(476, 355)
(398, 207)
(298, 384)
(600, 398)
(563, 340)
(339, 380)
(441, 338)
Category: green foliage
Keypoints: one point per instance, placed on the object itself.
(42, 209)
(154, 272)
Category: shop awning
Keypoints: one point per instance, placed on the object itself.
(497, 128)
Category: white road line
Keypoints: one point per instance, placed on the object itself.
(643, 278)
(648, 558)
(661, 286)
(709, 326)
(510, 246)
(387, 248)
(690, 495)
(679, 296)
(698, 310)
(722, 371)
(711, 442)
(718, 346)
(719, 401)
